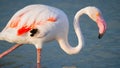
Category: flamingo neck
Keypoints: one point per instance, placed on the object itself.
(77, 27)
(64, 41)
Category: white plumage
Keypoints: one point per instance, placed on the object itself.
(37, 24)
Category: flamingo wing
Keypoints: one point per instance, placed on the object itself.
(30, 18)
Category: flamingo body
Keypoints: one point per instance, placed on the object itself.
(47, 20)
(37, 24)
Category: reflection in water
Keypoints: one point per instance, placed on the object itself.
(69, 67)
(96, 53)
(38, 66)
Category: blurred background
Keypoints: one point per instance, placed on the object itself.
(96, 53)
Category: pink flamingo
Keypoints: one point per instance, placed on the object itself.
(37, 24)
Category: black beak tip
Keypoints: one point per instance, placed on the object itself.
(100, 36)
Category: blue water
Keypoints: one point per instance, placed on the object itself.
(103, 53)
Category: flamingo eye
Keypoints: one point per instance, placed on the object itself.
(98, 14)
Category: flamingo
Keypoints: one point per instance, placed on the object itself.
(37, 24)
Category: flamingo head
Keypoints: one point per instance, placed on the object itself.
(95, 14)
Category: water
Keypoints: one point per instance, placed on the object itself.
(96, 53)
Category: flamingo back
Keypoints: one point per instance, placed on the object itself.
(31, 17)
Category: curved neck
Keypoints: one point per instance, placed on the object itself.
(77, 27)
(64, 41)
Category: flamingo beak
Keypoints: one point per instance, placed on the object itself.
(101, 25)
(100, 36)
